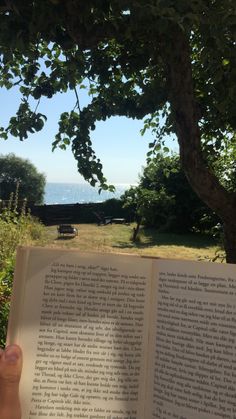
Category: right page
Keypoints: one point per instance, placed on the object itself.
(192, 364)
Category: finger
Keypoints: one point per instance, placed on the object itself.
(10, 372)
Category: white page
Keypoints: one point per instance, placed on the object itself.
(193, 369)
(82, 325)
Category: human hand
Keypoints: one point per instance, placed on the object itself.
(10, 372)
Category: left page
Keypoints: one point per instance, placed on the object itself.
(81, 320)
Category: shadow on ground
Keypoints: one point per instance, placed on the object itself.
(150, 238)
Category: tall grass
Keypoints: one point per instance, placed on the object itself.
(17, 227)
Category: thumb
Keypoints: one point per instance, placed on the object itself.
(10, 372)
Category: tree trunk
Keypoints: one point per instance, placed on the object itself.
(230, 240)
(136, 230)
(186, 113)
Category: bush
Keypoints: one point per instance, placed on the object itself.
(14, 170)
(6, 279)
(165, 200)
(16, 228)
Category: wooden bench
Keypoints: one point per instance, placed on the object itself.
(67, 229)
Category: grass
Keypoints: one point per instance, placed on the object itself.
(116, 238)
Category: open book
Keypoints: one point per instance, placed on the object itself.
(109, 336)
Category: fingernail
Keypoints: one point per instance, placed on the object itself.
(11, 355)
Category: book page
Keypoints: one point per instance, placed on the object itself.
(83, 330)
(193, 368)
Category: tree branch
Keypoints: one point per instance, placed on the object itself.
(185, 109)
(77, 100)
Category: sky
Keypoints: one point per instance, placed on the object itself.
(117, 142)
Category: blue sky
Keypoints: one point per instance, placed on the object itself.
(117, 142)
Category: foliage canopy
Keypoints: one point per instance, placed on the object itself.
(51, 46)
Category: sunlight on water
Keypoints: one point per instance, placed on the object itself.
(72, 193)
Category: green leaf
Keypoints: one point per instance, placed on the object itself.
(225, 62)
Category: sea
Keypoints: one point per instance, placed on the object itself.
(72, 193)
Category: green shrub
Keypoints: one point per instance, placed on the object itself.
(16, 228)
(6, 279)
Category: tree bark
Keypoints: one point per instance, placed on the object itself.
(136, 230)
(230, 240)
(185, 110)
